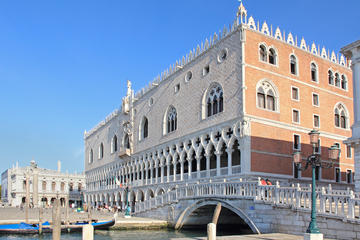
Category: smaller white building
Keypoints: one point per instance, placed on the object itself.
(44, 186)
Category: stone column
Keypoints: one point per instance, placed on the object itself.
(168, 171)
(174, 170)
(151, 173)
(162, 172)
(218, 155)
(156, 173)
(207, 165)
(197, 167)
(36, 189)
(229, 154)
(352, 51)
(181, 168)
(189, 167)
(146, 174)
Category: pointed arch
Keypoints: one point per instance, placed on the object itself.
(101, 151)
(143, 128)
(267, 95)
(114, 144)
(213, 100)
(170, 120)
(341, 116)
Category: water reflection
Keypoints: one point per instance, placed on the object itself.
(110, 235)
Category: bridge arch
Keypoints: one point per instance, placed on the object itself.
(213, 201)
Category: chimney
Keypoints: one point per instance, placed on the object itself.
(59, 166)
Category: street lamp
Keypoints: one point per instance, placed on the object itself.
(315, 161)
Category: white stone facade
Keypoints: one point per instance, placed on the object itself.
(353, 52)
(50, 184)
(196, 145)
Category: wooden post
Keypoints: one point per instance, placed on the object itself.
(27, 198)
(40, 219)
(66, 210)
(56, 231)
(88, 232)
(216, 213)
(211, 231)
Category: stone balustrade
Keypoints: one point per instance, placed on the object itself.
(341, 204)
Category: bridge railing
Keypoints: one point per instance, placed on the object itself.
(344, 204)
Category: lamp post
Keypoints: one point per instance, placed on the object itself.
(314, 161)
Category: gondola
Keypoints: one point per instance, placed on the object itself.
(24, 228)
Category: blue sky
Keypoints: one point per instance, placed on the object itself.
(64, 64)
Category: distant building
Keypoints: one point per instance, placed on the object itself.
(44, 186)
(238, 105)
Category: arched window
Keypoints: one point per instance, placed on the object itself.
(314, 72)
(337, 80)
(272, 56)
(267, 97)
(341, 117)
(214, 100)
(263, 53)
(114, 144)
(143, 128)
(171, 120)
(343, 82)
(91, 156)
(331, 77)
(127, 141)
(145, 132)
(293, 65)
(101, 151)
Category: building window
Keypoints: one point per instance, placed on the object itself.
(314, 72)
(316, 121)
(293, 65)
(263, 53)
(53, 186)
(348, 176)
(143, 128)
(215, 100)
(341, 118)
(337, 175)
(297, 170)
(44, 186)
(272, 56)
(295, 93)
(114, 144)
(266, 96)
(337, 80)
(222, 55)
(296, 116)
(296, 142)
(343, 82)
(145, 132)
(188, 76)
(127, 141)
(348, 151)
(101, 151)
(331, 77)
(177, 88)
(91, 156)
(206, 70)
(171, 120)
(315, 99)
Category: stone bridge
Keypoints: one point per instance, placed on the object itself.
(248, 206)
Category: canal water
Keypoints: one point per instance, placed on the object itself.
(121, 234)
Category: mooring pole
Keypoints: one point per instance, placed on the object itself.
(56, 220)
(216, 213)
(40, 219)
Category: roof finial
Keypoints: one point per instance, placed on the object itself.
(242, 13)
